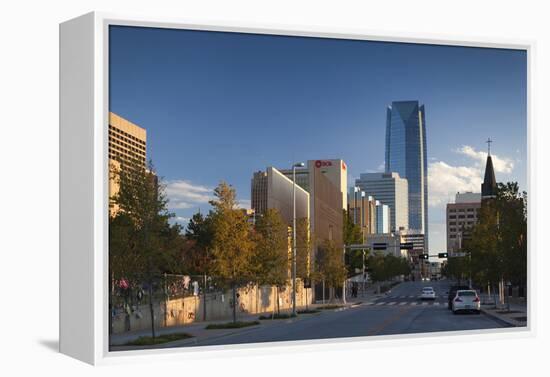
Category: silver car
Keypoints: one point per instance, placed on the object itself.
(466, 301)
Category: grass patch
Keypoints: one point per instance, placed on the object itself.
(308, 311)
(328, 307)
(277, 316)
(231, 325)
(149, 341)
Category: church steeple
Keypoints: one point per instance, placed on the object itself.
(489, 185)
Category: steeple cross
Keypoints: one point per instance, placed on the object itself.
(489, 141)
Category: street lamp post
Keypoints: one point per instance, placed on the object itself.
(297, 165)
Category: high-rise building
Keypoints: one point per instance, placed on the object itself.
(127, 148)
(271, 189)
(389, 189)
(258, 192)
(462, 215)
(127, 141)
(335, 170)
(362, 211)
(383, 218)
(406, 155)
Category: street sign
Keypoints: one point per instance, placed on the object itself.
(456, 255)
(407, 246)
(379, 246)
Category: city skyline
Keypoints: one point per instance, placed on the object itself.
(196, 131)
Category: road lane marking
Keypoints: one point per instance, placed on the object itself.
(392, 303)
(424, 303)
(414, 303)
(436, 303)
(380, 303)
(403, 303)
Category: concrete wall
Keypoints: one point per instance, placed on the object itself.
(187, 310)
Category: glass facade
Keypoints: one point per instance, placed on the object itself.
(406, 155)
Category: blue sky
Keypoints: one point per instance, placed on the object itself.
(223, 105)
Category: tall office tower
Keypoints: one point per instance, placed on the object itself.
(389, 189)
(406, 155)
(127, 141)
(382, 218)
(127, 147)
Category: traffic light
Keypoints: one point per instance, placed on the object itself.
(442, 255)
(424, 256)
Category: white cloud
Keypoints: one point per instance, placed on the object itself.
(381, 167)
(184, 194)
(445, 180)
(501, 164)
(244, 203)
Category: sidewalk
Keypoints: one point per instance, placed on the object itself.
(516, 316)
(199, 332)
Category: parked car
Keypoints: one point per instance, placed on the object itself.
(466, 301)
(452, 294)
(428, 293)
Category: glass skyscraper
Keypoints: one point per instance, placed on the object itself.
(406, 155)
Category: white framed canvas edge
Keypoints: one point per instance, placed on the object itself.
(84, 264)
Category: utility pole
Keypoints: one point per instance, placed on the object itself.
(294, 166)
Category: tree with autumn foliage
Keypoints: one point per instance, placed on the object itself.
(232, 242)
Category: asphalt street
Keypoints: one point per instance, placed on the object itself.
(398, 312)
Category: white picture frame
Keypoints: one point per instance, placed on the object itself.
(84, 188)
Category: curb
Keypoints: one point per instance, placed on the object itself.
(504, 321)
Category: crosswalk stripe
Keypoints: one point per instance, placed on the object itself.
(410, 303)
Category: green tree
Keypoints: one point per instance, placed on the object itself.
(198, 257)
(270, 260)
(330, 266)
(142, 242)
(383, 267)
(498, 242)
(351, 232)
(352, 235)
(232, 244)
(199, 231)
